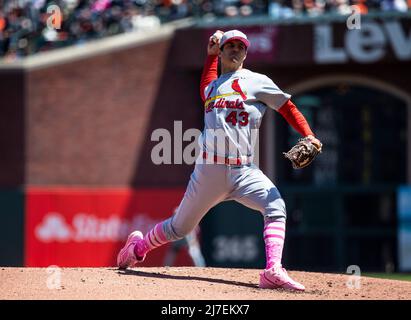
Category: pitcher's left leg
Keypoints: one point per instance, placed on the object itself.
(254, 190)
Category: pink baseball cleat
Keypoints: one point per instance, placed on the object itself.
(126, 257)
(277, 278)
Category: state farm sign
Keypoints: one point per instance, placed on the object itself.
(87, 227)
(369, 44)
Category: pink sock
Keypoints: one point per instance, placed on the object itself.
(153, 239)
(274, 234)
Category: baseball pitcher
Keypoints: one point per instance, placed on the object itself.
(234, 104)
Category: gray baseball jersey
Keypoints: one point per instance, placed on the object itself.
(234, 107)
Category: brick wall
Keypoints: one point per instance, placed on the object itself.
(87, 120)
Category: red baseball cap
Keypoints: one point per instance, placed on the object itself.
(234, 35)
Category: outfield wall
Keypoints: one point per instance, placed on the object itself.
(85, 121)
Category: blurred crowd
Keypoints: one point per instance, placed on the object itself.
(26, 26)
(293, 8)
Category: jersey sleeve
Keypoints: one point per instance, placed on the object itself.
(295, 118)
(208, 75)
(268, 93)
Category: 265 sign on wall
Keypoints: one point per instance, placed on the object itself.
(87, 227)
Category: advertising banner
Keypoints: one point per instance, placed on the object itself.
(369, 41)
(71, 227)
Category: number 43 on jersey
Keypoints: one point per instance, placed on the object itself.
(240, 118)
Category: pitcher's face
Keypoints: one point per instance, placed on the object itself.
(233, 54)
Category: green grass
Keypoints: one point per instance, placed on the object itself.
(392, 276)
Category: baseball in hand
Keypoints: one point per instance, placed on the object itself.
(216, 37)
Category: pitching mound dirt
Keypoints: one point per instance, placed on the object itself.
(184, 283)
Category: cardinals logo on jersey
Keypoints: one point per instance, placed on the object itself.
(220, 102)
(236, 87)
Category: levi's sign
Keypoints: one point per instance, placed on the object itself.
(369, 44)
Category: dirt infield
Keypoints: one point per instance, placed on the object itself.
(184, 283)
